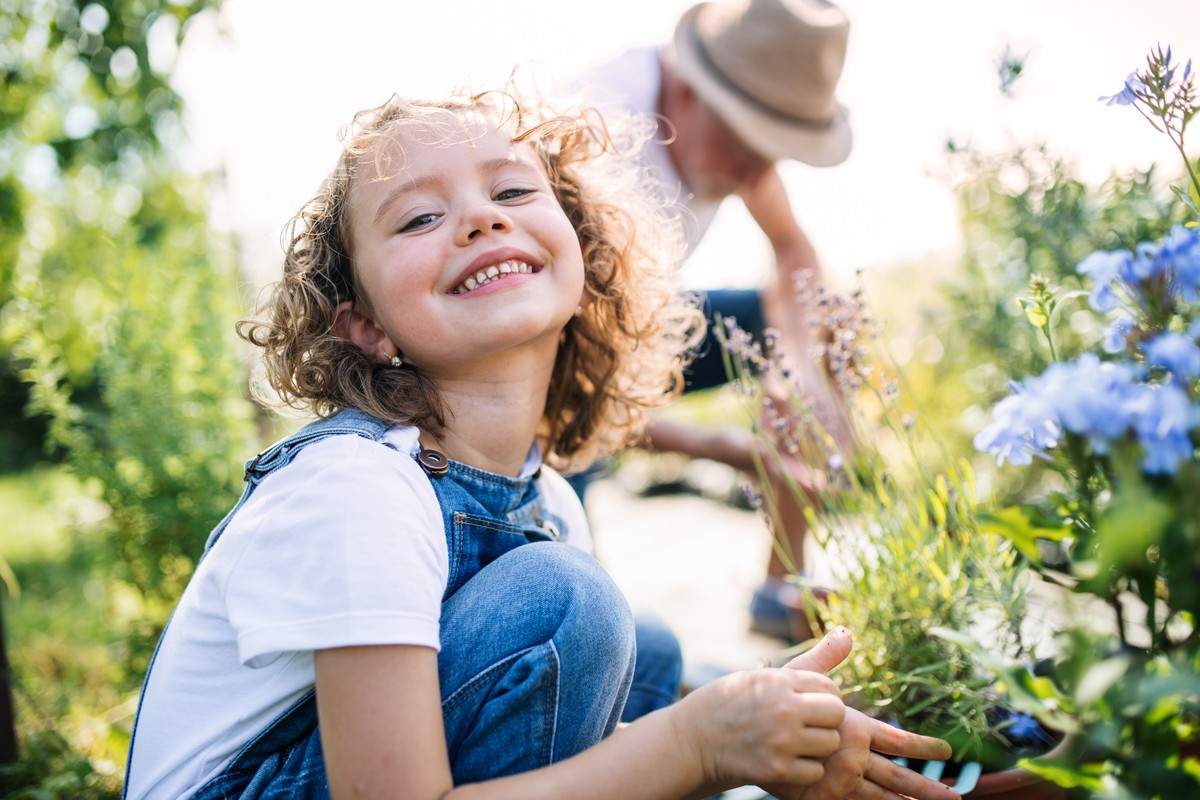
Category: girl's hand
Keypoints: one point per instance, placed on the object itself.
(763, 726)
(857, 769)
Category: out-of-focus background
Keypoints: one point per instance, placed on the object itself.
(268, 84)
(152, 152)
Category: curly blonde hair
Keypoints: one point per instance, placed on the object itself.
(620, 357)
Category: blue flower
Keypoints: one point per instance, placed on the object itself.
(1102, 298)
(1146, 263)
(1104, 267)
(1180, 254)
(1024, 424)
(1117, 334)
(1128, 93)
(1163, 419)
(1091, 398)
(1176, 352)
(1087, 397)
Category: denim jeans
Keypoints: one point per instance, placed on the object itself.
(539, 650)
(707, 370)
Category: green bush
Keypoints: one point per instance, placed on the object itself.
(117, 308)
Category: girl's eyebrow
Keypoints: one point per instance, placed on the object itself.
(428, 179)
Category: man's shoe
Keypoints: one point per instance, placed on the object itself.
(783, 610)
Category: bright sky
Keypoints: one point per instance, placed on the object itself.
(269, 83)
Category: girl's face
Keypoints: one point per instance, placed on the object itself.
(463, 250)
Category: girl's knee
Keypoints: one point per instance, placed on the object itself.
(591, 618)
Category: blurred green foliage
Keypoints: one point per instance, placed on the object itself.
(118, 359)
(118, 308)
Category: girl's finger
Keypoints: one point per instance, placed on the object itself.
(896, 742)
(817, 742)
(819, 710)
(870, 791)
(804, 681)
(826, 654)
(890, 777)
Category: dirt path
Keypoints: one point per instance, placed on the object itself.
(693, 561)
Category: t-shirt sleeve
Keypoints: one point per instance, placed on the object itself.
(344, 546)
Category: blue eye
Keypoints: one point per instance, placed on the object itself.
(419, 221)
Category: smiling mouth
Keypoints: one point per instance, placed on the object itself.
(493, 273)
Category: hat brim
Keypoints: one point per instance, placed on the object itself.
(770, 135)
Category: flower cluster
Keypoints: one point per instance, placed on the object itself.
(1101, 402)
(1167, 99)
(1145, 393)
(1158, 271)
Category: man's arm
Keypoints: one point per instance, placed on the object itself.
(767, 201)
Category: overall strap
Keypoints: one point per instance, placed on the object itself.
(348, 421)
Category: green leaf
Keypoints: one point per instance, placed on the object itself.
(1188, 198)
(1133, 521)
(1100, 678)
(1066, 774)
(1016, 525)
(1035, 313)
(1191, 766)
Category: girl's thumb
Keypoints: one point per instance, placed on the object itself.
(826, 654)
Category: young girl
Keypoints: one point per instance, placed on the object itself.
(402, 604)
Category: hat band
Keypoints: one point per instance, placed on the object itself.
(728, 84)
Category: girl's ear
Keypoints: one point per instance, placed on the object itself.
(354, 325)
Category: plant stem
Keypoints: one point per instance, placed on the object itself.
(1115, 602)
(1186, 163)
(1050, 341)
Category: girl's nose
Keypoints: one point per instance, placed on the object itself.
(482, 219)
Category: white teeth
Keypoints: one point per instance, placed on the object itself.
(485, 276)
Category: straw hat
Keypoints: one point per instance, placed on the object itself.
(769, 69)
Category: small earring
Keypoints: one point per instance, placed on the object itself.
(397, 361)
(578, 311)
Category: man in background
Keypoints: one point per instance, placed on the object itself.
(741, 86)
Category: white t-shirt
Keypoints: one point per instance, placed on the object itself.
(344, 546)
(628, 84)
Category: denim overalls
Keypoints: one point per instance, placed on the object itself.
(537, 644)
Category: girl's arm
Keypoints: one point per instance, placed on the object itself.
(380, 715)
(382, 736)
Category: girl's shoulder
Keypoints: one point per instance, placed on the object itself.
(352, 471)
